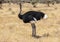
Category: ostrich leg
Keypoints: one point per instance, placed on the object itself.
(33, 29)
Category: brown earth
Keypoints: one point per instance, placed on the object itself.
(12, 29)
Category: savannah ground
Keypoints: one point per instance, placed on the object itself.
(12, 29)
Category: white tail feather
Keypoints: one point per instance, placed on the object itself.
(45, 16)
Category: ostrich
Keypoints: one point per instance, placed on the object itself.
(31, 17)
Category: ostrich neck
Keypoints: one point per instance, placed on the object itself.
(20, 9)
(20, 14)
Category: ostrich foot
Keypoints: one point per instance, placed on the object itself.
(36, 36)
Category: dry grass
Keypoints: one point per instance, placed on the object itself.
(12, 29)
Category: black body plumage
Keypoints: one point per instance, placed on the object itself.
(30, 15)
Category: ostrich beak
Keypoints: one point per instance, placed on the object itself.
(45, 16)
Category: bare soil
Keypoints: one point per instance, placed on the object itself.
(12, 29)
